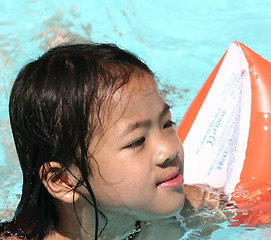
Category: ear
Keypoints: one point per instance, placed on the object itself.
(58, 183)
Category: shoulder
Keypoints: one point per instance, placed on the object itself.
(3, 237)
(6, 235)
(8, 231)
(12, 237)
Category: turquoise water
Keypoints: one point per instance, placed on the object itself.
(180, 40)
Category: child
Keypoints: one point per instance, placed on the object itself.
(97, 147)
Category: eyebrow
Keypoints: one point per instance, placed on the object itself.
(145, 123)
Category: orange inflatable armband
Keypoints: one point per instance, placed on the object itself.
(226, 132)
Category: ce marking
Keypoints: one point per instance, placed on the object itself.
(211, 140)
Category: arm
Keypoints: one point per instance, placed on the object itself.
(202, 195)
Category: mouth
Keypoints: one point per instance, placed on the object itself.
(173, 180)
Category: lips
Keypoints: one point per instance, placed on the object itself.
(171, 181)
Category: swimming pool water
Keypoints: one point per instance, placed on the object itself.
(180, 40)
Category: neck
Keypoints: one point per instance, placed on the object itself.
(116, 227)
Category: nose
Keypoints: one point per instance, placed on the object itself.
(166, 149)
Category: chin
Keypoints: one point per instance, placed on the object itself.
(166, 210)
(174, 211)
(174, 206)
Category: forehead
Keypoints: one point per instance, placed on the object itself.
(141, 86)
(135, 101)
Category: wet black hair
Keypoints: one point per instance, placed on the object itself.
(55, 111)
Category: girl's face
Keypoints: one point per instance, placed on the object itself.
(139, 159)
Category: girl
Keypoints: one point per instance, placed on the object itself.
(96, 144)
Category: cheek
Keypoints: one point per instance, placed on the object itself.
(175, 140)
(117, 175)
(181, 153)
(121, 169)
(179, 146)
(119, 182)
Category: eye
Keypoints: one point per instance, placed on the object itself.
(169, 124)
(138, 143)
